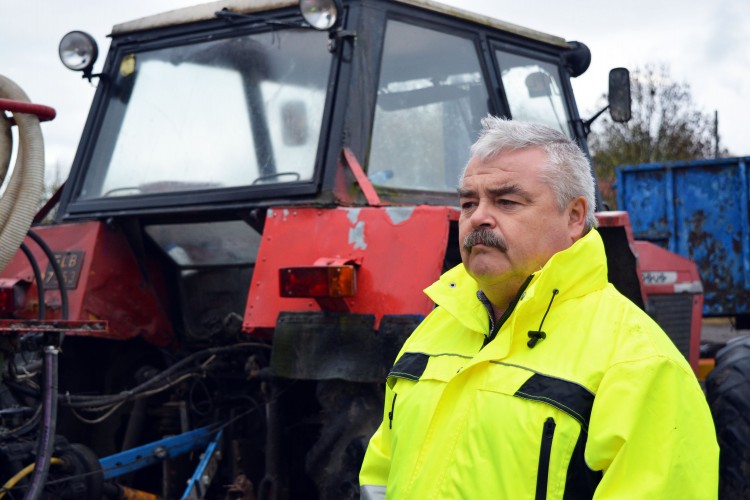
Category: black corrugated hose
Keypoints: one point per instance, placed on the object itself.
(49, 420)
(46, 443)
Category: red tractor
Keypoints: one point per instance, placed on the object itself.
(261, 192)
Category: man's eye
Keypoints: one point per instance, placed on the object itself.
(506, 203)
(468, 205)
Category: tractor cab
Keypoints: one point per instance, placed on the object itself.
(223, 110)
(206, 120)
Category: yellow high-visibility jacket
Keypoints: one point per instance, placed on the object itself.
(604, 406)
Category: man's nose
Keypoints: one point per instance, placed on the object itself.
(483, 216)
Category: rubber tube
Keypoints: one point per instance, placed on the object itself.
(46, 443)
(55, 269)
(23, 193)
(38, 279)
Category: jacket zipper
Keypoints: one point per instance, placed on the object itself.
(390, 413)
(496, 328)
(544, 458)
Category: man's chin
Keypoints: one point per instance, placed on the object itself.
(489, 272)
(479, 250)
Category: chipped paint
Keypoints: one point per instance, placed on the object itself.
(285, 214)
(357, 236)
(352, 214)
(399, 214)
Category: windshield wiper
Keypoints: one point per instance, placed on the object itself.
(230, 16)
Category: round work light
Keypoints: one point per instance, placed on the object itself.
(78, 51)
(320, 14)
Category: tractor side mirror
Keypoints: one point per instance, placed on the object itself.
(619, 95)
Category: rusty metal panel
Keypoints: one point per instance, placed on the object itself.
(398, 251)
(699, 210)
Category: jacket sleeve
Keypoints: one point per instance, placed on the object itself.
(373, 476)
(651, 433)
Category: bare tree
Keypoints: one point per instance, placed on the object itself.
(666, 126)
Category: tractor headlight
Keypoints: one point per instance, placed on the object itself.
(78, 51)
(320, 14)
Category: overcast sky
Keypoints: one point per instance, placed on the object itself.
(705, 43)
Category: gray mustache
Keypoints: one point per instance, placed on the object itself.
(484, 237)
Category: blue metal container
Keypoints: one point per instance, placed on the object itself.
(697, 209)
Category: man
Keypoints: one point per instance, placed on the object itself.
(534, 378)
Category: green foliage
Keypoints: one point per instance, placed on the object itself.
(665, 126)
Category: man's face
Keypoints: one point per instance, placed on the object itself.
(506, 197)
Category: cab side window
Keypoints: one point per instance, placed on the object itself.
(431, 99)
(533, 90)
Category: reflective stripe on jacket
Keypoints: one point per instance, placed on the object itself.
(603, 406)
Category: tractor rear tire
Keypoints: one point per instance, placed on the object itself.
(728, 393)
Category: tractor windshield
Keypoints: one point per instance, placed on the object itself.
(223, 113)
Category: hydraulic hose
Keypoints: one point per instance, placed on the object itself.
(22, 474)
(21, 198)
(38, 279)
(46, 443)
(57, 271)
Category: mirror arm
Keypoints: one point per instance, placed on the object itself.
(587, 123)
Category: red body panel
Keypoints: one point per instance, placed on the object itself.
(398, 252)
(103, 280)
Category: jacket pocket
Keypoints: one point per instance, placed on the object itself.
(545, 452)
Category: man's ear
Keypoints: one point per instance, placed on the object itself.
(577, 217)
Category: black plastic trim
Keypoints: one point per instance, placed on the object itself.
(569, 397)
(410, 366)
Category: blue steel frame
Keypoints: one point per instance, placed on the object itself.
(204, 473)
(148, 454)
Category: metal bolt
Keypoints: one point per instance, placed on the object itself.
(160, 452)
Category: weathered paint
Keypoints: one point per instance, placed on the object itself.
(357, 236)
(352, 214)
(395, 262)
(699, 210)
(399, 214)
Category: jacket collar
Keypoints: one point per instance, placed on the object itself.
(575, 271)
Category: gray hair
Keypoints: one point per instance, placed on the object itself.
(567, 171)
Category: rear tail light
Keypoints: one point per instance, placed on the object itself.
(318, 281)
